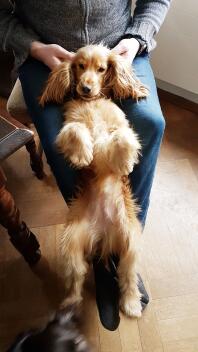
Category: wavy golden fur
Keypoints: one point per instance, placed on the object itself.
(96, 135)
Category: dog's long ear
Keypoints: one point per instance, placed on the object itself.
(58, 84)
(122, 80)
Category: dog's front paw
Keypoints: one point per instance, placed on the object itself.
(83, 156)
(131, 306)
(75, 142)
(123, 151)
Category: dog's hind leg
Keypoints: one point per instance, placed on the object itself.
(130, 296)
(74, 262)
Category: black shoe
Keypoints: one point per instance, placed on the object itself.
(107, 292)
(107, 295)
(142, 289)
(113, 264)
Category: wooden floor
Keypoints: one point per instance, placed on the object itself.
(169, 256)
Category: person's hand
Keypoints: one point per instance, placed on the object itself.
(50, 54)
(127, 48)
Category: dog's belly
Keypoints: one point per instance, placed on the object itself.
(105, 214)
(102, 205)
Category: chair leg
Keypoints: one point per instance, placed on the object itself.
(40, 149)
(36, 162)
(20, 235)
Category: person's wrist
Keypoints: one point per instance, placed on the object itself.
(142, 46)
(135, 42)
(35, 48)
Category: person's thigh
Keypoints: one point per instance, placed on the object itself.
(148, 122)
(48, 122)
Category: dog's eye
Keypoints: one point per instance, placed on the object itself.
(101, 69)
(81, 66)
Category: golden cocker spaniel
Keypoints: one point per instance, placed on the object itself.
(96, 135)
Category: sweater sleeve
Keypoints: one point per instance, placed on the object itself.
(147, 19)
(14, 36)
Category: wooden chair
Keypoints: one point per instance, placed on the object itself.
(17, 109)
(12, 137)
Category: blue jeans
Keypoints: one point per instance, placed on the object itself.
(145, 116)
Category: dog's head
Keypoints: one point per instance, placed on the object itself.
(95, 71)
(60, 335)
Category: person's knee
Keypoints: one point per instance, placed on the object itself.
(35, 72)
(151, 125)
(158, 124)
(32, 67)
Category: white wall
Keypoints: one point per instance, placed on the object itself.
(175, 60)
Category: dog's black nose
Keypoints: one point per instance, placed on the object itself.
(86, 89)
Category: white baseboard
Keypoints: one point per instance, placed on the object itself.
(168, 87)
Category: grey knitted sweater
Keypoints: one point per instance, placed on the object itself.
(74, 23)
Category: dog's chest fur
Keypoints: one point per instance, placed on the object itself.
(98, 115)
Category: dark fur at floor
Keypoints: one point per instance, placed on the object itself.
(60, 335)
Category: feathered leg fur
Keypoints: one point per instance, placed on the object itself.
(75, 264)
